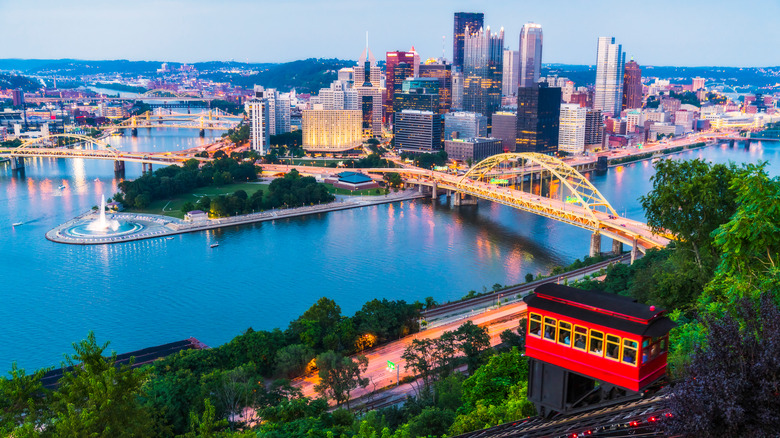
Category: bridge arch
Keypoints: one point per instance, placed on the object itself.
(97, 142)
(585, 193)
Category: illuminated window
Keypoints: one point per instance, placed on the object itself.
(564, 333)
(629, 351)
(580, 338)
(596, 343)
(535, 326)
(613, 347)
(549, 329)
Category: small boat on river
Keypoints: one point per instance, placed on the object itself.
(16, 224)
(214, 245)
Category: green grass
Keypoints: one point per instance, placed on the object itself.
(364, 192)
(172, 207)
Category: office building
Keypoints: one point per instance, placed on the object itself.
(339, 96)
(464, 20)
(697, 84)
(417, 131)
(632, 86)
(368, 84)
(530, 54)
(505, 129)
(571, 129)
(608, 97)
(511, 71)
(420, 94)
(257, 110)
(473, 149)
(464, 125)
(457, 91)
(443, 72)
(278, 111)
(18, 97)
(331, 130)
(538, 112)
(399, 66)
(483, 65)
(347, 75)
(594, 129)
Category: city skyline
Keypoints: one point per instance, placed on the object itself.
(204, 31)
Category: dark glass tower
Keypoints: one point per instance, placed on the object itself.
(538, 113)
(632, 86)
(483, 70)
(396, 73)
(474, 21)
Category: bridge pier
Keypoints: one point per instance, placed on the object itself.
(434, 195)
(634, 251)
(119, 169)
(17, 163)
(595, 244)
(459, 199)
(202, 133)
(134, 132)
(617, 247)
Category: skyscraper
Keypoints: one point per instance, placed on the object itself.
(609, 76)
(368, 77)
(399, 66)
(457, 90)
(530, 54)
(571, 132)
(511, 72)
(257, 109)
(538, 112)
(483, 65)
(632, 86)
(472, 20)
(443, 72)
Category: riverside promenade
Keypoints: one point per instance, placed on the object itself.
(154, 226)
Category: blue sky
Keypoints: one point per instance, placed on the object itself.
(660, 32)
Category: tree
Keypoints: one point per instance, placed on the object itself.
(733, 381)
(492, 382)
(320, 320)
(291, 360)
(420, 357)
(691, 199)
(515, 339)
(393, 179)
(340, 375)
(22, 399)
(472, 340)
(188, 207)
(98, 398)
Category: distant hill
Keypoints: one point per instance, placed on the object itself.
(306, 76)
(23, 82)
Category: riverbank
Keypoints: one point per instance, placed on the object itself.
(154, 226)
(661, 152)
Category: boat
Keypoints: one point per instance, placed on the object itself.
(169, 238)
(62, 187)
(18, 223)
(214, 245)
(97, 179)
(117, 133)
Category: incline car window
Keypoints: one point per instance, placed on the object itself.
(535, 327)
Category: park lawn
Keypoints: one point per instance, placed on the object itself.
(364, 192)
(172, 207)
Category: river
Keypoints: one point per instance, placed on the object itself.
(150, 292)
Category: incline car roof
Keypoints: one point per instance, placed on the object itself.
(602, 308)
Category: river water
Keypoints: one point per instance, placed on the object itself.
(149, 292)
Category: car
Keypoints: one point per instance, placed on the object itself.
(612, 216)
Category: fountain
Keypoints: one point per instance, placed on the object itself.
(103, 227)
(101, 223)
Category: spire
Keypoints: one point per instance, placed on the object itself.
(366, 55)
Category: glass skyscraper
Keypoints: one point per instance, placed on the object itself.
(474, 21)
(538, 114)
(483, 63)
(530, 54)
(610, 58)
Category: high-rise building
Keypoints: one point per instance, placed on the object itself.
(594, 129)
(505, 129)
(609, 76)
(420, 94)
(511, 71)
(697, 84)
(632, 86)
(538, 112)
(483, 65)
(339, 96)
(331, 130)
(399, 66)
(257, 110)
(18, 97)
(571, 129)
(530, 54)
(457, 91)
(463, 20)
(347, 75)
(443, 72)
(368, 84)
(417, 131)
(464, 125)
(472, 149)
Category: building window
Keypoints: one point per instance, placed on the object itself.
(580, 338)
(596, 343)
(613, 347)
(535, 325)
(549, 329)
(564, 333)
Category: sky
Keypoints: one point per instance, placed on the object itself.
(658, 32)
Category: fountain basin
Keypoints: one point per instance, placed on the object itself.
(82, 230)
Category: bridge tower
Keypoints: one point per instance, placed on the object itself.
(17, 164)
(202, 132)
(119, 169)
(134, 124)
